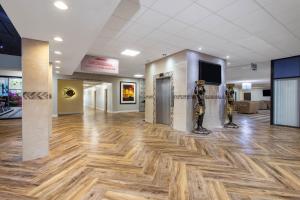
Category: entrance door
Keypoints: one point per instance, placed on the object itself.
(163, 100)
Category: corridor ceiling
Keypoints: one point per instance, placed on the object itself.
(245, 30)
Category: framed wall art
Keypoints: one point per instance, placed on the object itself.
(127, 92)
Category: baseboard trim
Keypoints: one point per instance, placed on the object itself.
(70, 113)
(124, 111)
(98, 108)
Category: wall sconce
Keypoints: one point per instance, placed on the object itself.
(69, 92)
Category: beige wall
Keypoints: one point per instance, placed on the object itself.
(36, 99)
(113, 96)
(71, 105)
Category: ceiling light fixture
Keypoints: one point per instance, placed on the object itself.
(227, 57)
(129, 52)
(57, 52)
(57, 67)
(200, 48)
(138, 75)
(58, 39)
(61, 5)
(58, 61)
(57, 72)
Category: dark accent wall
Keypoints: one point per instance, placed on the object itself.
(284, 68)
(10, 40)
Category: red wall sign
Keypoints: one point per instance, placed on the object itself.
(100, 65)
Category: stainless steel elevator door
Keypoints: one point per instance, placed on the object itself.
(163, 100)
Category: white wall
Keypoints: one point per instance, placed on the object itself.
(184, 66)
(100, 97)
(89, 97)
(98, 101)
(214, 112)
(257, 95)
(245, 74)
(177, 64)
(10, 73)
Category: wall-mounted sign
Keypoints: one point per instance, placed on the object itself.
(100, 65)
(127, 93)
(69, 92)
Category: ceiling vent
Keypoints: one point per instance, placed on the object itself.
(253, 66)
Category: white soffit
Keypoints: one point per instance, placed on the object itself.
(79, 26)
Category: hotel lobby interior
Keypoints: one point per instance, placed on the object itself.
(149, 100)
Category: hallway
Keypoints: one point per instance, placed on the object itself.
(120, 157)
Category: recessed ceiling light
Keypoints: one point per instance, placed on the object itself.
(58, 61)
(58, 39)
(129, 52)
(200, 48)
(227, 57)
(138, 75)
(57, 72)
(57, 67)
(57, 52)
(61, 5)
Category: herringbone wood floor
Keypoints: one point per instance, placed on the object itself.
(119, 157)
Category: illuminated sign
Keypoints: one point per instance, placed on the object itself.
(100, 65)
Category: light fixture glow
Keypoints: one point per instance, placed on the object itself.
(58, 39)
(129, 52)
(200, 48)
(57, 72)
(57, 67)
(227, 57)
(247, 86)
(61, 5)
(138, 75)
(58, 61)
(57, 52)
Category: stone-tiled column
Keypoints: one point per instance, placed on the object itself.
(36, 126)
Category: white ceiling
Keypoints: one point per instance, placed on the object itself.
(247, 30)
(79, 26)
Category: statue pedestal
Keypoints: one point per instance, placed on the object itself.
(202, 131)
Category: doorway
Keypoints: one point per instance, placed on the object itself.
(97, 96)
(163, 100)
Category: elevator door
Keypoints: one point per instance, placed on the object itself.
(163, 100)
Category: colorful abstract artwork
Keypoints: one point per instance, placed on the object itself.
(127, 93)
